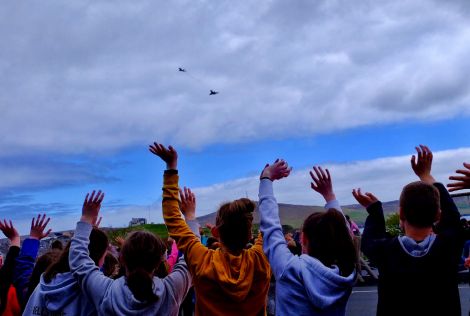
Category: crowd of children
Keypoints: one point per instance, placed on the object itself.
(234, 273)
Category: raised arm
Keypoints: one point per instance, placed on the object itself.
(27, 258)
(92, 281)
(374, 234)
(461, 181)
(6, 271)
(274, 243)
(421, 163)
(188, 242)
(450, 216)
(323, 184)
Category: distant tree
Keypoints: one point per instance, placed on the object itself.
(392, 225)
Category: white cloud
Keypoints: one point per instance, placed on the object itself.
(80, 77)
(385, 177)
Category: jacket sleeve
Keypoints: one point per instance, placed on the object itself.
(179, 280)
(91, 280)
(334, 204)
(24, 267)
(374, 235)
(188, 242)
(449, 222)
(275, 246)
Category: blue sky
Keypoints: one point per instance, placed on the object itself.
(86, 87)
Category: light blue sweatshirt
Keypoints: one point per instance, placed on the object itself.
(304, 286)
(62, 296)
(113, 297)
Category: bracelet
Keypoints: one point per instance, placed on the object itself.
(265, 178)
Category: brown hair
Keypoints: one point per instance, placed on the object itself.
(142, 253)
(329, 240)
(110, 266)
(234, 222)
(420, 204)
(97, 247)
(42, 264)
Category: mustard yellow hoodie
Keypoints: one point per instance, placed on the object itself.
(225, 284)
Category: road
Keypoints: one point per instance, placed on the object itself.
(363, 301)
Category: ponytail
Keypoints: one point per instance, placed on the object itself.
(141, 285)
(141, 254)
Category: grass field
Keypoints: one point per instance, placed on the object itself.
(158, 229)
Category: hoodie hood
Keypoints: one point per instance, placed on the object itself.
(60, 292)
(121, 301)
(234, 273)
(325, 286)
(417, 249)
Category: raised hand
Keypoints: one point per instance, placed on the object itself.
(168, 155)
(38, 225)
(120, 241)
(463, 182)
(188, 203)
(278, 170)
(91, 207)
(366, 199)
(10, 232)
(322, 183)
(422, 165)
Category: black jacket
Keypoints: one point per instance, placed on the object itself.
(409, 285)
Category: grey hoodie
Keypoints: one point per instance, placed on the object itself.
(113, 297)
(304, 286)
(62, 296)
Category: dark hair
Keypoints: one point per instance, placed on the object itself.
(110, 266)
(234, 222)
(97, 248)
(420, 204)
(57, 244)
(212, 243)
(162, 269)
(142, 253)
(42, 264)
(329, 240)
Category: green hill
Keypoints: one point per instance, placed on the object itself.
(290, 214)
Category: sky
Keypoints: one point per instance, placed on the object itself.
(87, 85)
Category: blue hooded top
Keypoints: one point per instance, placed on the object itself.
(304, 286)
(62, 296)
(113, 297)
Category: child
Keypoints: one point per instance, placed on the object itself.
(58, 292)
(228, 281)
(139, 292)
(319, 282)
(42, 263)
(418, 271)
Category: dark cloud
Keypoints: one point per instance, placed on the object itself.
(29, 174)
(94, 77)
